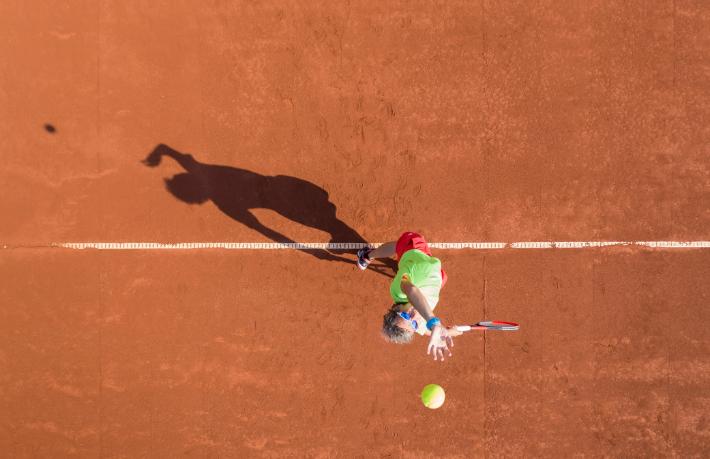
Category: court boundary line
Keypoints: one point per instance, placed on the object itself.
(357, 245)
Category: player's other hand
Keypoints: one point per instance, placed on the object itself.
(452, 331)
(153, 159)
(439, 343)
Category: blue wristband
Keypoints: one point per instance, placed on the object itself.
(433, 322)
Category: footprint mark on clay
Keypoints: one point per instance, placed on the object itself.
(390, 110)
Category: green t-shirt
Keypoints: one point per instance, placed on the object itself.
(423, 271)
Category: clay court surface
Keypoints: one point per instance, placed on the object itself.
(352, 122)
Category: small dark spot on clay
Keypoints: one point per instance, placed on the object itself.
(49, 128)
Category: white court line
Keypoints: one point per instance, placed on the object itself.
(356, 245)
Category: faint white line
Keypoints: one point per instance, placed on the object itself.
(568, 244)
(357, 245)
(675, 244)
(468, 245)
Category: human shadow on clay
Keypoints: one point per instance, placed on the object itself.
(236, 191)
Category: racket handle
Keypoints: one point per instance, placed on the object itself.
(463, 328)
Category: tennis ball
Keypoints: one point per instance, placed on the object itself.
(433, 396)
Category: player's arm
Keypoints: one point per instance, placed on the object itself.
(184, 159)
(440, 339)
(416, 298)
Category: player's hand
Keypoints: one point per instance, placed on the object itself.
(453, 331)
(439, 343)
(155, 156)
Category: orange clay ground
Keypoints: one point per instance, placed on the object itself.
(465, 121)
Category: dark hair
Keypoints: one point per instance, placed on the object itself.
(392, 332)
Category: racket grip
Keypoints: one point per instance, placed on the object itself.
(463, 328)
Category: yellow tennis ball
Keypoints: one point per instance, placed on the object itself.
(433, 396)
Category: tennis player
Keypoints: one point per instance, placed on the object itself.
(415, 292)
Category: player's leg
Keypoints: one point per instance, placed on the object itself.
(386, 250)
(366, 254)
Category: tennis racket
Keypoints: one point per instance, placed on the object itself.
(489, 325)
